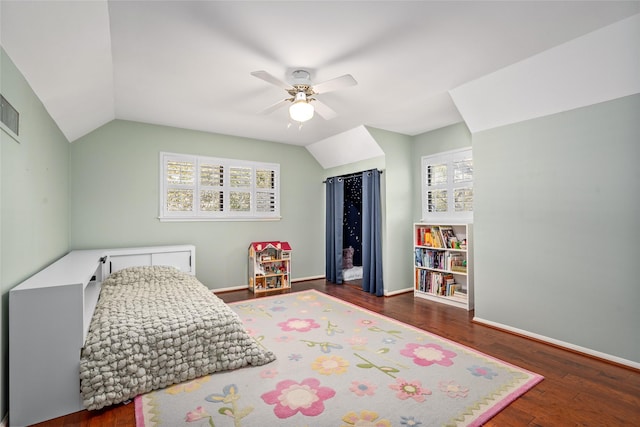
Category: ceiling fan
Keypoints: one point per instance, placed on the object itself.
(302, 92)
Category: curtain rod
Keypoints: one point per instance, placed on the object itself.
(351, 175)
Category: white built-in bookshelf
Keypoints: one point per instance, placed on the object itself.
(443, 263)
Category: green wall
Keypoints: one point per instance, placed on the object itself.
(557, 202)
(397, 200)
(34, 220)
(115, 199)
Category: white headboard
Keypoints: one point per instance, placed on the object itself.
(183, 257)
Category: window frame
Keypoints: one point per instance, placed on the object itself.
(448, 158)
(197, 214)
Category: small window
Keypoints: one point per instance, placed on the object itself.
(447, 186)
(208, 188)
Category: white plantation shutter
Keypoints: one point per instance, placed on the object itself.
(447, 186)
(179, 190)
(436, 191)
(211, 187)
(207, 188)
(462, 172)
(241, 179)
(266, 200)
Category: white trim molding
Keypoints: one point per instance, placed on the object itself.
(398, 292)
(304, 279)
(558, 343)
(230, 288)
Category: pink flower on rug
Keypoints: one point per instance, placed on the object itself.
(327, 365)
(482, 371)
(269, 373)
(284, 338)
(409, 390)
(428, 354)
(306, 297)
(358, 341)
(197, 414)
(300, 325)
(187, 387)
(453, 389)
(366, 323)
(365, 418)
(363, 388)
(291, 397)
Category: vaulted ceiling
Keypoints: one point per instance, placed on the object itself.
(187, 63)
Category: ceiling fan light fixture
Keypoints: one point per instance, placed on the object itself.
(301, 110)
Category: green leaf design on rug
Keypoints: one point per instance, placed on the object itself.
(229, 395)
(325, 346)
(249, 308)
(397, 334)
(333, 329)
(387, 370)
(380, 352)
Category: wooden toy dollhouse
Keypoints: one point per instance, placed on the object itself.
(269, 266)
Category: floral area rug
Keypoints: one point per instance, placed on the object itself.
(340, 365)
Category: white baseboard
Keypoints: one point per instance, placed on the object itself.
(230, 288)
(303, 279)
(563, 344)
(400, 291)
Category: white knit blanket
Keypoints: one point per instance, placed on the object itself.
(157, 326)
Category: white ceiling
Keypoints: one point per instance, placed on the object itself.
(187, 64)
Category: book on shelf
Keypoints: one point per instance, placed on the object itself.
(435, 237)
(424, 236)
(448, 236)
(436, 283)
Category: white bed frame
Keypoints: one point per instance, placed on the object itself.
(49, 317)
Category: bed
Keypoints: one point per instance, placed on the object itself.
(155, 326)
(353, 273)
(60, 317)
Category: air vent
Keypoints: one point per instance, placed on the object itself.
(9, 116)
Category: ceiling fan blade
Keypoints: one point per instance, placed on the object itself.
(334, 84)
(324, 110)
(275, 106)
(269, 78)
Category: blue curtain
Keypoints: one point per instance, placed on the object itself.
(371, 234)
(335, 212)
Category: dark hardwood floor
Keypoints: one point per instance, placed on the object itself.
(577, 390)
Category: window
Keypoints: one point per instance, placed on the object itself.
(447, 186)
(209, 188)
